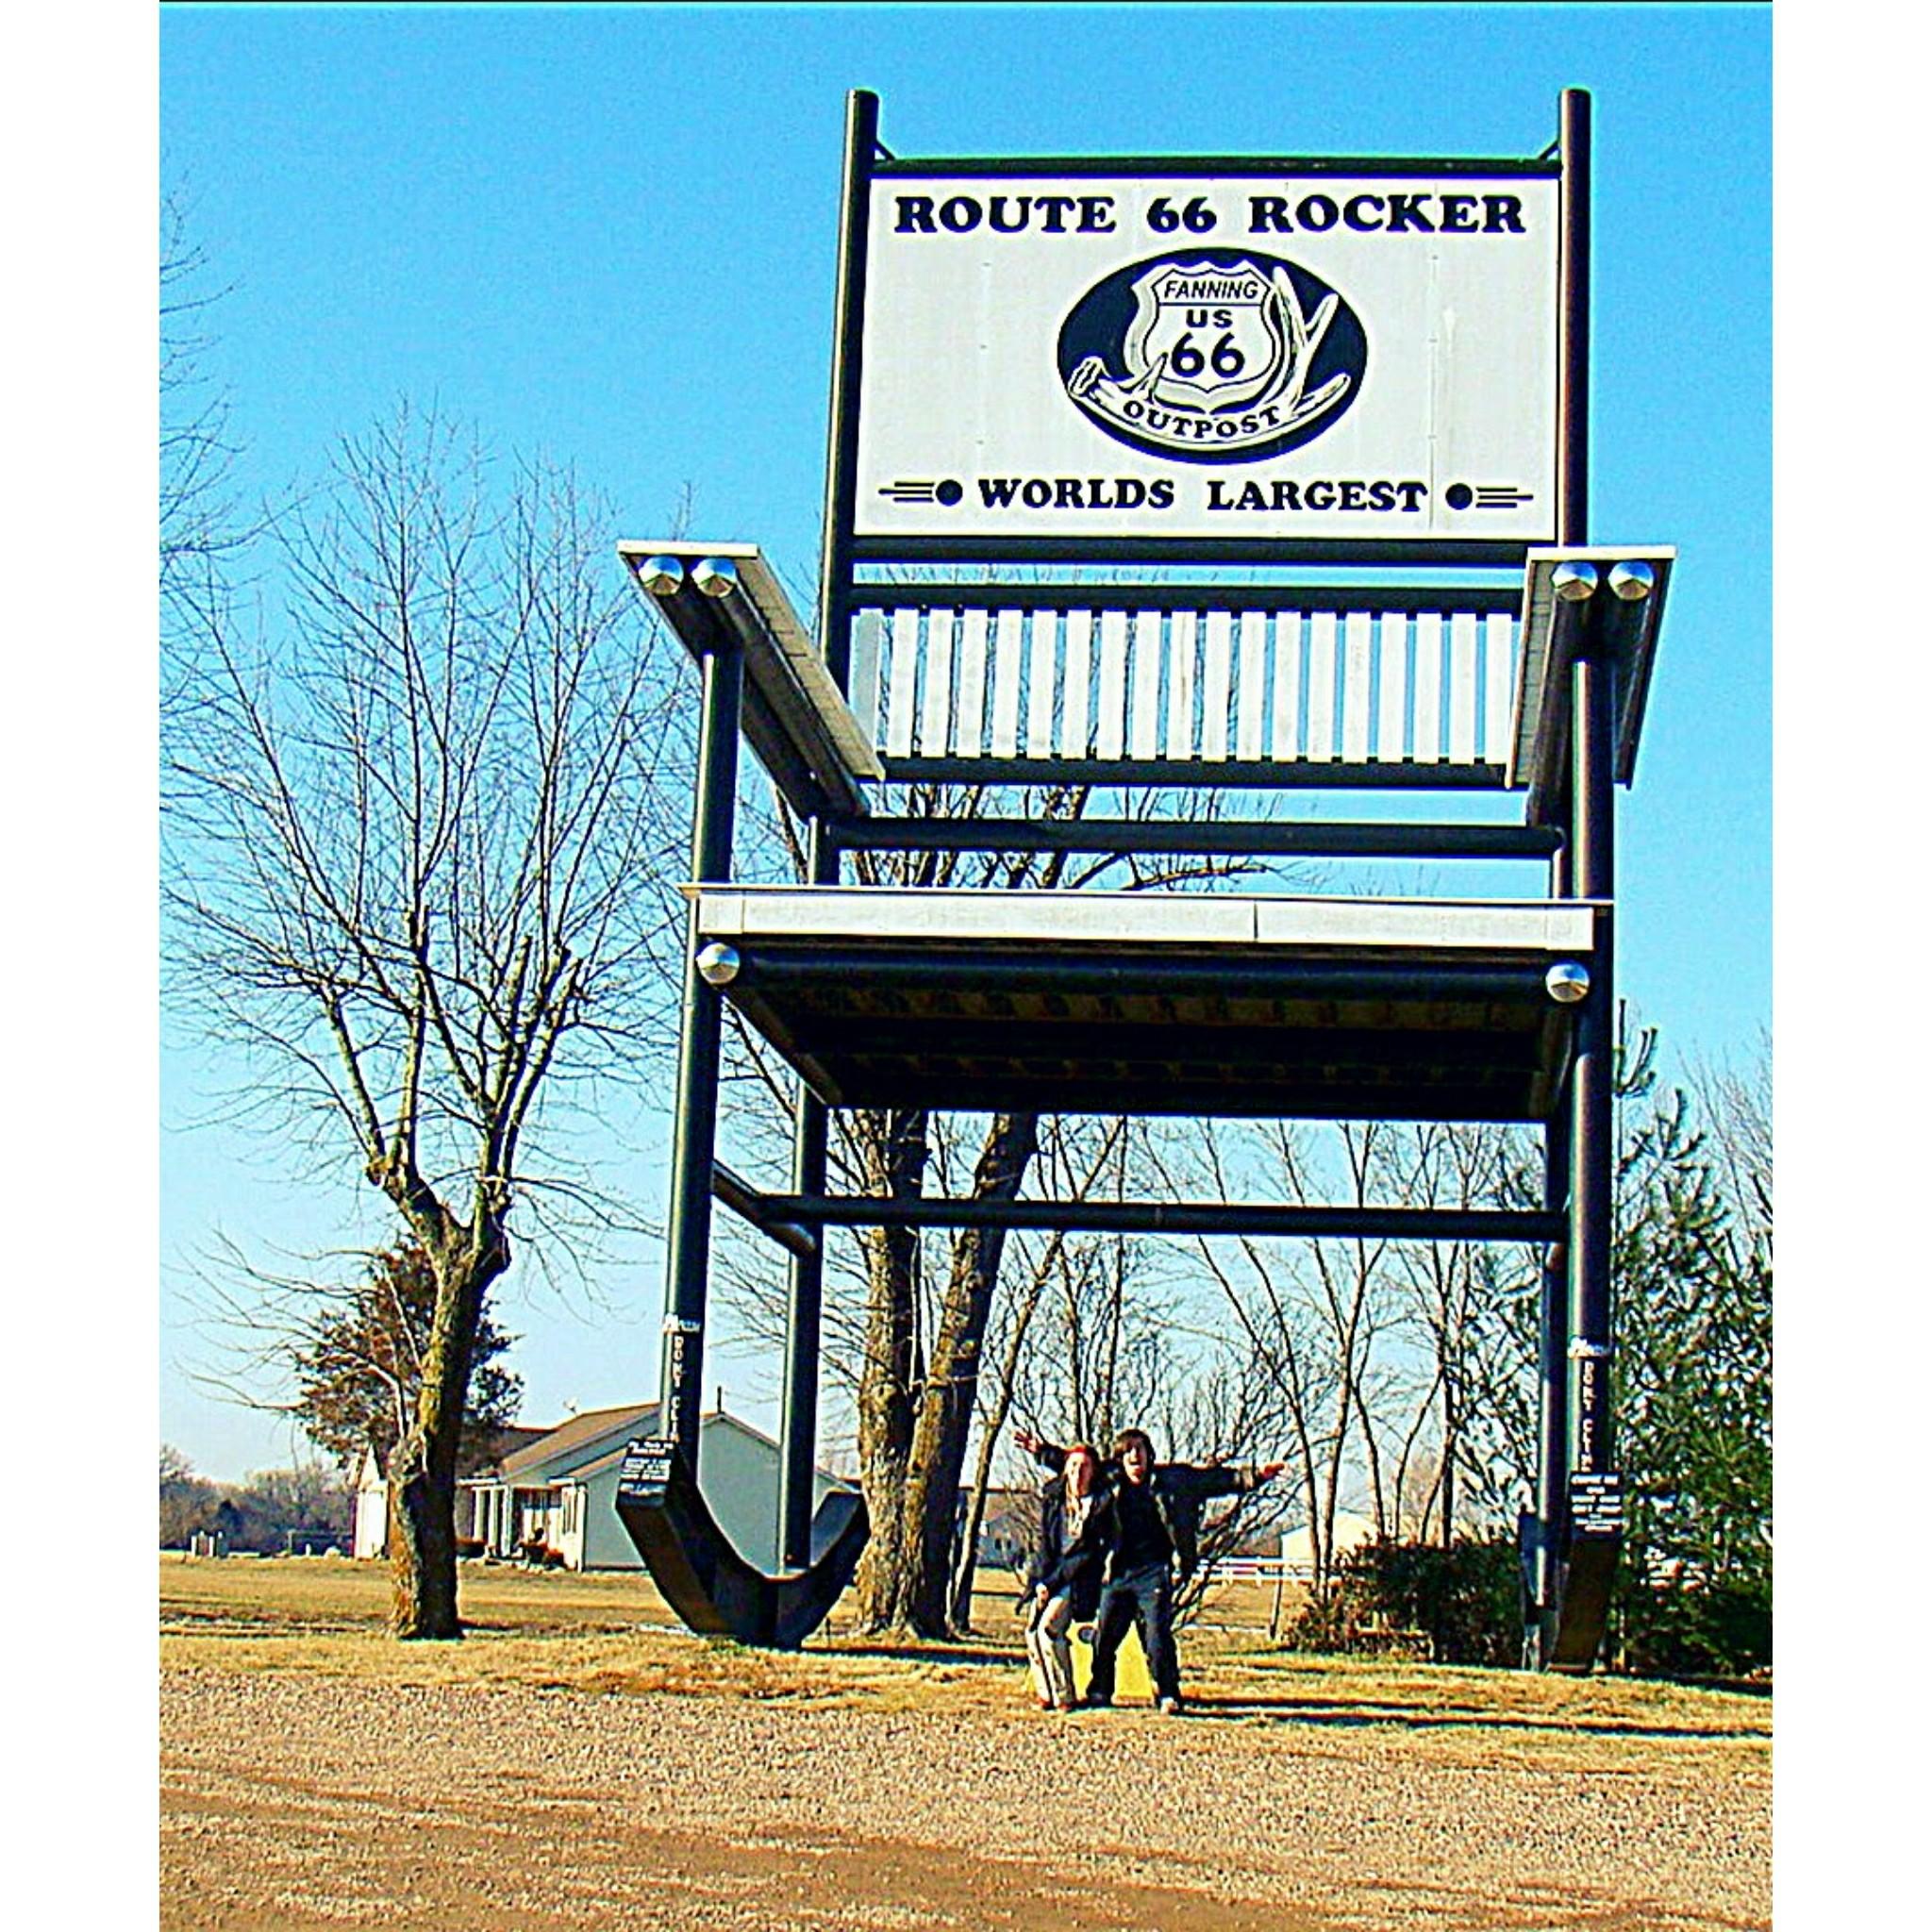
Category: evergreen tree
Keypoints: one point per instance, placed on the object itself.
(360, 1371)
(1692, 1379)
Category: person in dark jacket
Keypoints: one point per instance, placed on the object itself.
(1154, 1534)
(1064, 1577)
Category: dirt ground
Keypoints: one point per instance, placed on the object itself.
(539, 1778)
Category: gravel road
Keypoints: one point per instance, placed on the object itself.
(294, 1803)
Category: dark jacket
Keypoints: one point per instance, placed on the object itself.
(1180, 1490)
(1072, 1567)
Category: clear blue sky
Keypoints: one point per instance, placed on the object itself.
(611, 234)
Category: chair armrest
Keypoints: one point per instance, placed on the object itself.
(796, 719)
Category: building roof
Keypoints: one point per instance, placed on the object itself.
(588, 1443)
(716, 1416)
(505, 1443)
(555, 1452)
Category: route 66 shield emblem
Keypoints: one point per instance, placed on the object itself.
(1212, 339)
(1212, 356)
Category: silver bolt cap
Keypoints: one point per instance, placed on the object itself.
(1567, 982)
(1632, 581)
(660, 576)
(1573, 581)
(718, 964)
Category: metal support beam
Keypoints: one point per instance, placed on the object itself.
(990, 970)
(1572, 270)
(1592, 1084)
(1220, 837)
(1553, 1360)
(805, 1299)
(841, 434)
(733, 1191)
(695, 1119)
(1172, 1217)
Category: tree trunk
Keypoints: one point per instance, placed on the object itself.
(967, 1566)
(906, 1577)
(423, 1468)
(895, 1150)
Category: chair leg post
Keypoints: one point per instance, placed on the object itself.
(687, 1274)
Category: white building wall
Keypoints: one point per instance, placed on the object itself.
(372, 1513)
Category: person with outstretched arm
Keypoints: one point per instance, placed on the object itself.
(1154, 1534)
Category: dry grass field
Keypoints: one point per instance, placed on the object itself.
(580, 1760)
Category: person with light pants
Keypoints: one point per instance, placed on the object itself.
(1064, 1577)
(1153, 1544)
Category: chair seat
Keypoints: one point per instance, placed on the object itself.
(1215, 1004)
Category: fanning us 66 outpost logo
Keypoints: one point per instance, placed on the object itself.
(1212, 356)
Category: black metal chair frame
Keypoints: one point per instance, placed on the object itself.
(1587, 621)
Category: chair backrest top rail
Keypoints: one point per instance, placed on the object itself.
(1368, 599)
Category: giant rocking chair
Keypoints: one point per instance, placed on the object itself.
(1189, 1003)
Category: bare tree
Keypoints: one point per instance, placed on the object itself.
(419, 849)
(1307, 1317)
(1075, 1155)
(1456, 1292)
(204, 527)
(187, 1502)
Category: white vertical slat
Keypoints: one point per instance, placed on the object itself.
(1358, 636)
(1499, 685)
(1321, 744)
(1251, 689)
(937, 715)
(903, 683)
(1074, 738)
(1110, 724)
(1391, 718)
(1428, 688)
(1462, 688)
(1216, 676)
(1146, 741)
(1180, 684)
(969, 718)
(864, 680)
(1043, 677)
(1288, 685)
(1008, 633)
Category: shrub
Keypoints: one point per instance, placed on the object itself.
(1456, 1606)
(1692, 1628)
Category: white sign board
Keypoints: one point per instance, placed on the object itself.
(1267, 358)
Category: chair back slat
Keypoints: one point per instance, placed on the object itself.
(1358, 686)
(1355, 690)
(936, 715)
(864, 681)
(1392, 690)
(1318, 743)
(1217, 682)
(1287, 732)
(1183, 646)
(1462, 688)
(1499, 687)
(969, 708)
(1145, 656)
(1110, 720)
(902, 684)
(1425, 744)
(1008, 634)
(1074, 736)
(1252, 685)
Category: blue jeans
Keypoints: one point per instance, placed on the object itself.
(1143, 1598)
